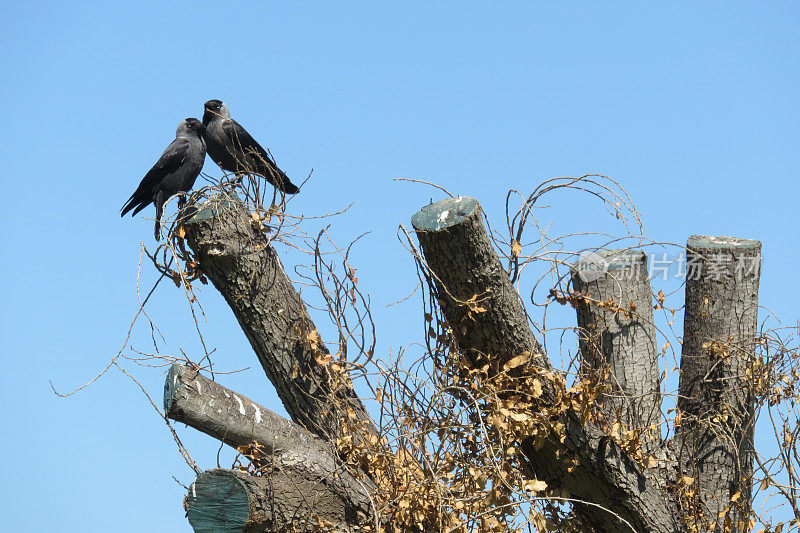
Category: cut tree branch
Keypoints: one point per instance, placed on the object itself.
(246, 270)
(617, 332)
(471, 285)
(283, 445)
(227, 501)
(716, 401)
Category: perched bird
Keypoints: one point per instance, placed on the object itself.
(234, 150)
(175, 171)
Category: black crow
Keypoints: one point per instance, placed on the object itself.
(234, 150)
(174, 172)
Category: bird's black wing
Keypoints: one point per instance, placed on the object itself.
(240, 139)
(170, 161)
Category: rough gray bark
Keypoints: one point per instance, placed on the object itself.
(464, 263)
(238, 421)
(226, 501)
(620, 335)
(246, 270)
(715, 439)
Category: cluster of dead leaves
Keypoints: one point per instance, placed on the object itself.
(191, 270)
(468, 476)
(576, 299)
(260, 218)
(463, 471)
(257, 464)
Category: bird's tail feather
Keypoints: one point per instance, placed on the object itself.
(281, 181)
(289, 187)
(159, 201)
(137, 202)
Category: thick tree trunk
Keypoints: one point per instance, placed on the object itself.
(464, 264)
(284, 446)
(245, 268)
(715, 397)
(617, 332)
(226, 501)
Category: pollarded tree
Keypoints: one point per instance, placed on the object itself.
(482, 432)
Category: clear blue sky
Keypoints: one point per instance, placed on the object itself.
(693, 107)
